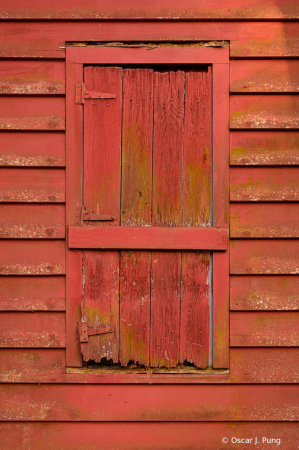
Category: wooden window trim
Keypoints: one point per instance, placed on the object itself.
(218, 58)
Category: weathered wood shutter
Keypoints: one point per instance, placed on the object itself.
(147, 163)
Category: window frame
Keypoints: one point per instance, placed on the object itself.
(218, 58)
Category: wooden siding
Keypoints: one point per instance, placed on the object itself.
(264, 272)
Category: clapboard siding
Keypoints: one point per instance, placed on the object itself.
(264, 111)
(32, 293)
(264, 220)
(264, 257)
(264, 148)
(249, 10)
(32, 185)
(32, 113)
(152, 436)
(32, 257)
(36, 149)
(48, 40)
(264, 76)
(32, 221)
(264, 184)
(30, 77)
(259, 292)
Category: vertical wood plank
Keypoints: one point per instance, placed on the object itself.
(195, 316)
(74, 115)
(136, 210)
(221, 213)
(167, 211)
(102, 182)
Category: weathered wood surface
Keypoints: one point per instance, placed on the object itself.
(25, 329)
(32, 149)
(166, 238)
(264, 112)
(30, 77)
(264, 148)
(257, 293)
(264, 365)
(47, 40)
(32, 293)
(32, 221)
(249, 10)
(264, 76)
(32, 258)
(264, 257)
(264, 329)
(264, 184)
(32, 113)
(264, 220)
(32, 185)
(106, 403)
(152, 436)
(19, 364)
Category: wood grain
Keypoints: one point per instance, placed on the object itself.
(264, 148)
(32, 77)
(73, 403)
(264, 220)
(264, 112)
(32, 293)
(264, 257)
(32, 258)
(24, 329)
(166, 238)
(32, 185)
(148, 435)
(16, 364)
(264, 76)
(264, 184)
(257, 293)
(32, 113)
(32, 221)
(264, 329)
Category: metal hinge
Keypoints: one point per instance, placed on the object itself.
(82, 94)
(84, 332)
(92, 216)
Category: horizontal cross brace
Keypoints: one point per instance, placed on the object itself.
(148, 238)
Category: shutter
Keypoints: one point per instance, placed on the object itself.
(147, 162)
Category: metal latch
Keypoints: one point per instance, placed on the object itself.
(84, 332)
(82, 94)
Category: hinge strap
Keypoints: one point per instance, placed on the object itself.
(84, 332)
(82, 94)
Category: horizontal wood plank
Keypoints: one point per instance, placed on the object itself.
(32, 221)
(264, 220)
(147, 238)
(32, 113)
(264, 112)
(47, 40)
(264, 365)
(32, 149)
(32, 185)
(32, 257)
(264, 148)
(17, 364)
(32, 293)
(264, 257)
(132, 9)
(32, 77)
(264, 184)
(152, 436)
(264, 329)
(24, 329)
(257, 293)
(264, 76)
(159, 403)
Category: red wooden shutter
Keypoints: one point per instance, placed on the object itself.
(147, 162)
